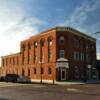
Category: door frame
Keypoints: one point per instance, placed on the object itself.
(62, 72)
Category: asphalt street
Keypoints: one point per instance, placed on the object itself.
(13, 91)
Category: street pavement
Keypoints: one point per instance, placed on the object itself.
(15, 91)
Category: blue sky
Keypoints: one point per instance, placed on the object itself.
(20, 19)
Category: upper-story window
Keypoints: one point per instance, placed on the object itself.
(35, 44)
(81, 44)
(41, 43)
(2, 62)
(6, 61)
(29, 56)
(23, 48)
(49, 41)
(49, 55)
(76, 55)
(29, 46)
(17, 60)
(13, 61)
(76, 43)
(61, 40)
(10, 61)
(61, 53)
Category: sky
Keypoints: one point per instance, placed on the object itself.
(20, 19)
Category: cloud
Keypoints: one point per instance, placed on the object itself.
(79, 19)
(80, 14)
(15, 25)
(12, 37)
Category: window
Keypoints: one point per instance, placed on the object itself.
(61, 53)
(10, 61)
(34, 71)
(81, 44)
(49, 41)
(76, 72)
(22, 72)
(76, 43)
(41, 43)
(49, 54)
(61, 40)
(2, 62)
(23, 48)
(87, 57)
(13, 61)
(35, 58)
(28, 72)
(76, 55)
(6, 61)
(41, 70)
(41, 55)
(81, 56)
(17, 60)
(49, 71)
(35, 44)
(22, 59)
(29, 56)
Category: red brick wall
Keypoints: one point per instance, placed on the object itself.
(55, 47)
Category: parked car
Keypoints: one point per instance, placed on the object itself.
(11, 78)
(2, 78)
(23, 79)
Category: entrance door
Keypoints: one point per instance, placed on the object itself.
(63, 74)
(89, 73)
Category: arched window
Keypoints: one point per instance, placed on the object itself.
(35, 44)
(23, 48)
(41, 43)
(29, 46)
(49, 41)
(61, 40)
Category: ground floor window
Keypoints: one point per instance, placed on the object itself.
(34, 71)
(28, 72)
(49, 71)
(76, 72)
(22, 72)
(42, 71)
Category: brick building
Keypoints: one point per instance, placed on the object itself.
(60, 53)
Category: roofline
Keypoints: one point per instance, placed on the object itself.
(70, 29)
(10, 55)
(58, 28)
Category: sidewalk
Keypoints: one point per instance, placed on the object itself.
(93, 81)
(69, 83)
(81, 82)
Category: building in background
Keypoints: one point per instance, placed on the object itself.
(60, 53)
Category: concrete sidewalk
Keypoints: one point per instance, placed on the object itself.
(78, 82)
